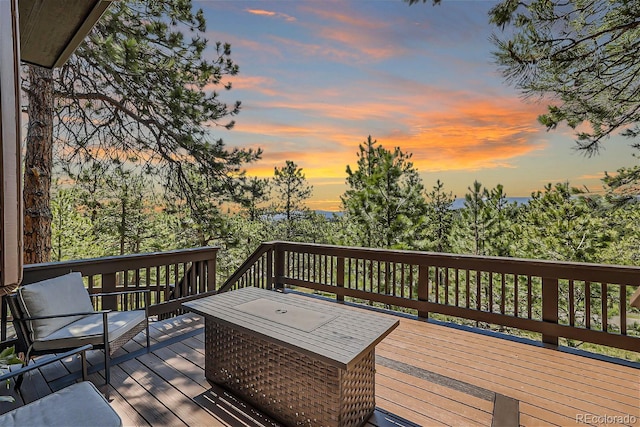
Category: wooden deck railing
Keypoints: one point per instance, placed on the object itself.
(576, 301)
(171, 277)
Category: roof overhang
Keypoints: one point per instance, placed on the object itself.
(50, 30)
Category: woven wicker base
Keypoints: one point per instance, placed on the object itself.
(291, 387)
(126, 337)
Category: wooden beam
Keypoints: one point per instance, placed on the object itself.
(10, 162)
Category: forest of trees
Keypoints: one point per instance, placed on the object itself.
(386, 205)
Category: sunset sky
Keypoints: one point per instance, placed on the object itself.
(317, 77)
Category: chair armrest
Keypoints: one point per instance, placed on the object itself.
(55, 316)
(41, 363)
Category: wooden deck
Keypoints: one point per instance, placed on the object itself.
(427, 374)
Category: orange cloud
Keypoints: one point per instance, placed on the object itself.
(465, 134)
(349, 19)
(262, 12)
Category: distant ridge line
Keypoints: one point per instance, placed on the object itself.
(457, 204)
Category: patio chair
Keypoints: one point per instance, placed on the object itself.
(80, 404)
(57, 315)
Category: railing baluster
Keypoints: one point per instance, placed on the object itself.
(478, 291)
(516, 295)
(604, 306)
(436, 285)
(457, 287)
(402, 282)
(587, 304)
(340, 276)
(423, 288)
(490, 304)
(503, 291)
(529, 298)
(550, 306)
(446, 285)
(623, 309)
(411, 282)
(572, 304)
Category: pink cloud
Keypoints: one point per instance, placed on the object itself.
(269, 13)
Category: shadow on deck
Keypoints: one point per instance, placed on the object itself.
(426, 374)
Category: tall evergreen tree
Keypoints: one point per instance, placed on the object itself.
(71, 230)
(290, 190)
(137, 86)
(558, 224)
(384, 199)
(485, 225)
(500, 234)
(469, 233)
(256, 193)
(125, 216)
(439, 218)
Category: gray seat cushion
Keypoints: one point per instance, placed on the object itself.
(60, 295)
(88, 330)
(78, 405)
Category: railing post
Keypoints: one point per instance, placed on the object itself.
(423, 288)
(270, 278)
(109, 285)
(211, 274)
(279, 266)
(340, 277)
(550, 307)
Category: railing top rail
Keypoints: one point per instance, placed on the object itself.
(622, 274)
(118, 263)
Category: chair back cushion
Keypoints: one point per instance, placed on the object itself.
(60, 295)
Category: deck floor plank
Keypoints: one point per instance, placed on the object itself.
(469, 406)
(414, 399)
(151, 409)
(34, 386)
(129, 415)
(169, 391)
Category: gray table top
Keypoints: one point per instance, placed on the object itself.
(327, 331)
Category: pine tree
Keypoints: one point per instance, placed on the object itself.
(384, 200)
(484, 225)
(439, 219)
(558, 224)
(137, 87)
(583, 54)
(290, 189)
(256, 193)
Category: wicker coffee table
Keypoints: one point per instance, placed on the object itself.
(302, 361)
